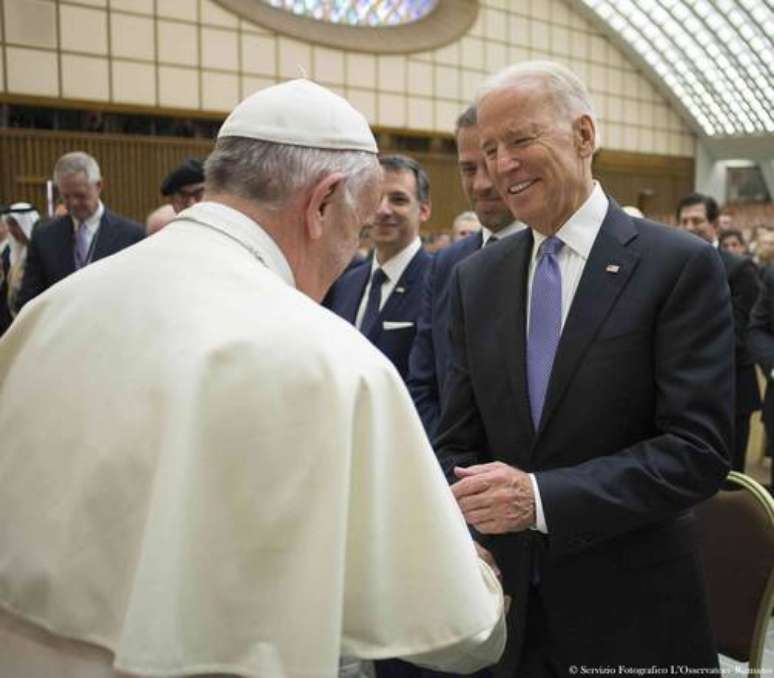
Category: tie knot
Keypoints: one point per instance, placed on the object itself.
(492, 240)
(378, 277)
(551, 245)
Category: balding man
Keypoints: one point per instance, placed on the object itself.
(465, 224)
(88, 232)
(588, 400)
(224, 500)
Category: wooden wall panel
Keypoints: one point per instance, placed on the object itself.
(653, 183)
(133, 167)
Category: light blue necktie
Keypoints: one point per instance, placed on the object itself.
(371, 315)
(81, 246)
(545, 324)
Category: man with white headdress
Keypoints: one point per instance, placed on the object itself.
(19, 218)
(251, 494)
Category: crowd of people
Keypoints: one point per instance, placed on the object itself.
(282, 438)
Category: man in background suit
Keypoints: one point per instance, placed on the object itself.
(429, 357)
(88, 232)
(382, 297)
(587, 404)
(699, 213)
(760, 341)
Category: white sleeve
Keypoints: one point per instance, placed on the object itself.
(474, 652)
(414, 585)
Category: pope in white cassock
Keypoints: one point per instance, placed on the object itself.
(202, 471)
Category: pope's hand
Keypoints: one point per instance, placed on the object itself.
(495, 498)
(488, 558)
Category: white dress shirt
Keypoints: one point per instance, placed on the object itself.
(393, 268)
(578, 235)
(510, 229)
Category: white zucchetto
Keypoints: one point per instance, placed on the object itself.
(300, 113)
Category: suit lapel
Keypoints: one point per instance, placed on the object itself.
(351, 302)
(607, 271)
(106, 236)
(509, 297)
(63, 244)
(401, 292)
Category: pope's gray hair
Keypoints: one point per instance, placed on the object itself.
(566, 89)
(270, 174)
(77, 162)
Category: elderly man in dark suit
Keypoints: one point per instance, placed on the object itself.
(382, 297)
(428, 361)
(699, 214)
(588, 402)
(89, 231)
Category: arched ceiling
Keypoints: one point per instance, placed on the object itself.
(715, 58)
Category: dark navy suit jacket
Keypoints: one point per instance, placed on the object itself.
(429, 358)
(635, 430)
(50, 255)
(403, 305)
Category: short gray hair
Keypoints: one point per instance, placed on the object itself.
(567, 89)
(77, 162)
(465, 216)
(270, 174)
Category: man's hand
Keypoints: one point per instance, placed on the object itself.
(495, 498)
(488, 558)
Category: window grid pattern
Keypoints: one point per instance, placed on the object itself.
(717, 56)
(192, 55)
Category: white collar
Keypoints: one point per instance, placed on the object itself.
(92, 221)
(580, 231)
(246, 231)
(510, 229)
(395, 265)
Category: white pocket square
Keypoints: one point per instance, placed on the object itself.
(396, 325)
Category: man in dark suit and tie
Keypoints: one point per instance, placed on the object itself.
(588, 401)
(428, 361)
(383, 296)
(699, 214)
(89, 231)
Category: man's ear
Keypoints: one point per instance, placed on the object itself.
(320, 198)
(425, 210)
(98, 185)
(585, 135)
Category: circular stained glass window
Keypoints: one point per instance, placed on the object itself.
(374, 26)
(359, 12)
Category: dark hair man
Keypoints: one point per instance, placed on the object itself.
(383, 296)
(698, 214)
(430, 354)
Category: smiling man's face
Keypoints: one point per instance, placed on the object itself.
(539, 158)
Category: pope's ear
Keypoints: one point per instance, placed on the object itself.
(323, 194)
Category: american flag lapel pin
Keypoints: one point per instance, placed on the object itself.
(613, 268)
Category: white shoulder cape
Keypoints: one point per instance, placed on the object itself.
(204, 471)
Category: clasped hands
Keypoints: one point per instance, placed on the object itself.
(495, 498)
